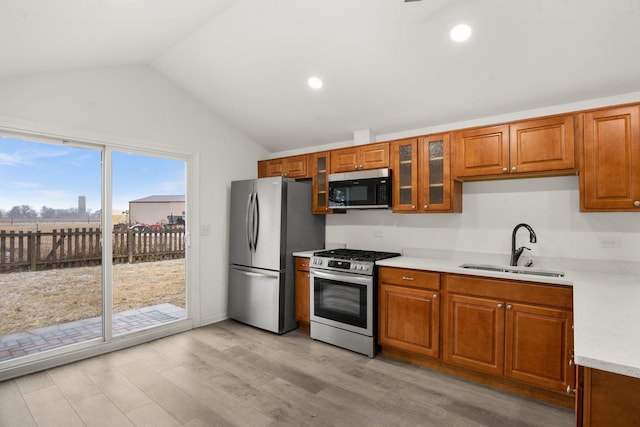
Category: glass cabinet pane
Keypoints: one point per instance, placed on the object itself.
(436, 172)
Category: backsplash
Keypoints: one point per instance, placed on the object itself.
(490, 211)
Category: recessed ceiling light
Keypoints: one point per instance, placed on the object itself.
(460, 33)
(315, 83)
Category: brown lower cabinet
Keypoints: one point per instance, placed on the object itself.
(302, 283)
(409, 310)
(607, 399)
(511, 334)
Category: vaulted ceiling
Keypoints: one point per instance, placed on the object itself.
(387, 65)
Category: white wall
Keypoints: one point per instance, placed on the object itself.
(136, 107)
(490, 211)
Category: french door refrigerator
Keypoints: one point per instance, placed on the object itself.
(270, 218)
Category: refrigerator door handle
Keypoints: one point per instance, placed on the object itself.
(247, 222)
(256, 221)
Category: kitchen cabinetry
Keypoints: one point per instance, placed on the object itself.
(290, 167)
(409, 312)
(422, 175)
(368, 156)
(302, 284)
(608, 399)
(519, 330)
(540, 147)
(320, 174)
(610, 176)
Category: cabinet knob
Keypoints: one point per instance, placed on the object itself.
(571, 362)
(570, 390)
(504, 169)
(435, 296)
(413, 206)
(499, 305)
(636, 203)
(304, 265)
(425, 207)
(509, 306)
(513, 168)
(407, 278)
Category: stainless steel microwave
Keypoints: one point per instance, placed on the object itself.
(368, 189)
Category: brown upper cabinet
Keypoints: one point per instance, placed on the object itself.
(422, 179)
(290, 167)
(320, 174)
(538, 147)
(368, 156)
(610, 173)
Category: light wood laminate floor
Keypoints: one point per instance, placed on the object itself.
(231, 374)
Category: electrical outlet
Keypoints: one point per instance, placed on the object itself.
(609, 242)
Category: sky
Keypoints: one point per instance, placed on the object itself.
(39, 174)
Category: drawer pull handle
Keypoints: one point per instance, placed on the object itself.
(304, 265)
(407, 278)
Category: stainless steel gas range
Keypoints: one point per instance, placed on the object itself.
(344, 296)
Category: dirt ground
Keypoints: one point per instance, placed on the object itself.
(30, 300)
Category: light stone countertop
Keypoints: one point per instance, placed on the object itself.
(606, 304)
(306, 254)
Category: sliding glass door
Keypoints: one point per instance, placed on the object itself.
(149, 220)
(60, 204)
(50, 253)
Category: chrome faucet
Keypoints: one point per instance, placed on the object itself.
(515, 253)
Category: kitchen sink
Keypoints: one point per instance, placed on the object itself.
(516, 270)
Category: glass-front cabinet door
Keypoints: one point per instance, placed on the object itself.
(404, 155)
(320, 175)
(422, 180)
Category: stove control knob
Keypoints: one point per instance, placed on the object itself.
(365, 267)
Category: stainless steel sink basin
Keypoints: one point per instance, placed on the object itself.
(517, 270)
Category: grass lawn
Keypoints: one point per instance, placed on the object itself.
(31, 300)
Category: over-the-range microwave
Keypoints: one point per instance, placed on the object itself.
(367, 189)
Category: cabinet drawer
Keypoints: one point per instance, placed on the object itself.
(302, 263)
(412, 278)
(510, 290)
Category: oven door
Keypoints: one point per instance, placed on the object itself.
(342, 300)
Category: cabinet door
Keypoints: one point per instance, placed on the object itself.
(302, 300)
(320, 182)
(409, 319)
(404, 163)
(483, 151)
(438, 192)
(539, 341)
(275, 167)
(543, 145)
(344, 160)
(374, 156)
(295, 167)
(475, 333)
(302, 296)
(610, 399)
(610, 179)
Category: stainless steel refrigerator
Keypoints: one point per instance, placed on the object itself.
(270, 219)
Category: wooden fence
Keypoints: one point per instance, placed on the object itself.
(37, 250)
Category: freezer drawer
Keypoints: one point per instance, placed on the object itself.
(256, 297)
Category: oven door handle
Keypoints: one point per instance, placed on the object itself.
(359, 280)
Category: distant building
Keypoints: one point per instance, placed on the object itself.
(156, 209)
(82, 206)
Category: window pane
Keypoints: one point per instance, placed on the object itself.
(50, 254)
(149, 220)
